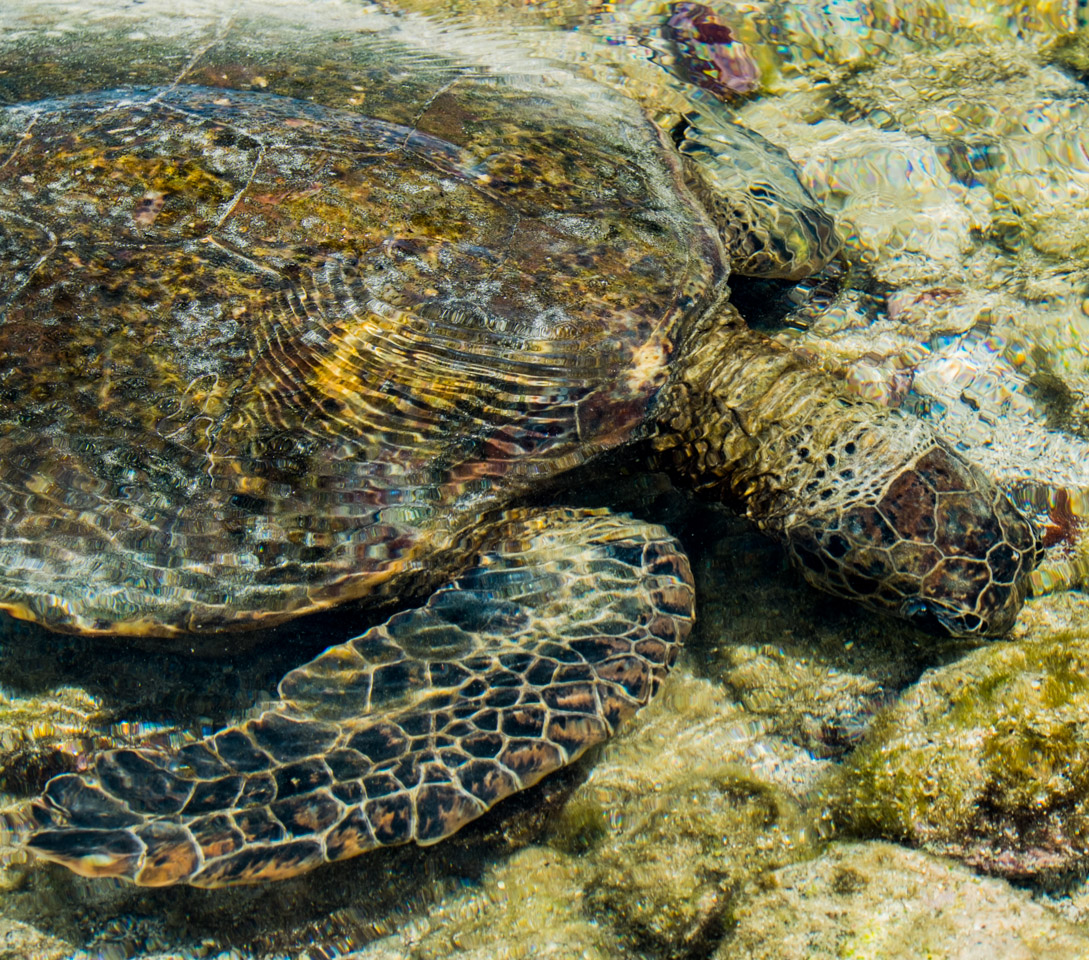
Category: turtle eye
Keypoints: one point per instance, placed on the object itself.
(934, 618)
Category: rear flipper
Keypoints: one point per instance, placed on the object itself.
(564, 628)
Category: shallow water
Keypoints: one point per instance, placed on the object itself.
(950, 142)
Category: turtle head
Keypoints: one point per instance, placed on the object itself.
(871, 503)
(936, 543)
(770, 224)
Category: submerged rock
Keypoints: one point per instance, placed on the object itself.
(673, 819)
(1072, 51)
(42, 735)
(805, 668)
(808, 702)
(986, 760)
(19, 940)
(880, 900)
(528, 906)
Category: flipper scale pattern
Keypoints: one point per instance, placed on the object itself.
(560, 631)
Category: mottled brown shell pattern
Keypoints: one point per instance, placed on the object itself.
(260, 356)
(562, 629)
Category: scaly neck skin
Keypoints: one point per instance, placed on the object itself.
(872, 505)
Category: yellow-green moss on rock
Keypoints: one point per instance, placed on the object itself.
(1072, 51)
(986, 759)
(647, 854)
(528, 906)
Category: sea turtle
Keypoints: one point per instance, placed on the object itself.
(260, 356)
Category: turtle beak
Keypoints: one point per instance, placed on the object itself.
(935, 618)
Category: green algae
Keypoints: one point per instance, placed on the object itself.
(808, 702)
(1071, 50)
(644, 858)
(986, 759)
(667, 877)
(531, 904)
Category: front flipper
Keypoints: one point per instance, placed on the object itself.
(566, 626)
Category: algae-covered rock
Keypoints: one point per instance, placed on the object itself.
(749, 596)
(805, 668)
(877, 900)
(986, 759)
(528, 906)
(672, 819)
(1072, 51)
(808, 702)
(666, 876)
(648, 851)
